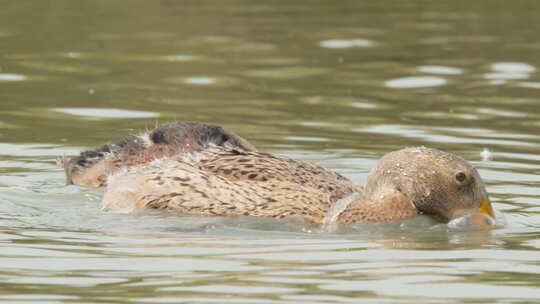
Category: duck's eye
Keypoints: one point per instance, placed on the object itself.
(461, 177)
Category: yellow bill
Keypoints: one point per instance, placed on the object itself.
(485, 207)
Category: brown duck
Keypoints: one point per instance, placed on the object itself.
(200, 169)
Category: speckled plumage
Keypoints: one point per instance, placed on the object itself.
(230, 182)
(91, 168)
(210, 171)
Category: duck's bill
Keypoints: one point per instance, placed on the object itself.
(473, 221)
(483, 218)
(485, 208)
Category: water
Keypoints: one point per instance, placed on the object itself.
(339, 84)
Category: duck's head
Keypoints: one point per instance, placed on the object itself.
(433, 182)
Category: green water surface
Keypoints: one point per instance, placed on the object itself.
(338, 83)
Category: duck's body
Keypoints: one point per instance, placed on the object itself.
(221, 181)
(233, 180)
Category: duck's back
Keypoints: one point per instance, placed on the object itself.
(221, 181)
(90, 168)
(237, 165)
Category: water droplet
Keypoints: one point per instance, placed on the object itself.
(486, 154)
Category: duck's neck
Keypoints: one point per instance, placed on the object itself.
(387, 206)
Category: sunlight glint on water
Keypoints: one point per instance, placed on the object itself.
(338, 84)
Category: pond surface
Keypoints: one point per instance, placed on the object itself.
(339, 84)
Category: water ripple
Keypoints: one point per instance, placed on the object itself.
(106, 113)
(6, 77)
(345, 43)
(439, 69)
(415, 82)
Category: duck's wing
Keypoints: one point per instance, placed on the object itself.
(91, 167)
(238, 165)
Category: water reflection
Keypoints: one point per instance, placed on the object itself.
(415, 82)
(200, 80)
(345, 43)
(338, 84)
(509, 71)
(527, 84)
(438, 69)
(65, 68)
(12, 77)
(286, 73)
(106, 112)
(513, 67)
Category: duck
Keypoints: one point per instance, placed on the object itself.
(193, 168)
